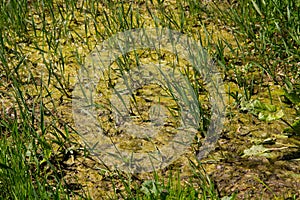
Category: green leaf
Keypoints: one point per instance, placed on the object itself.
(293, 96)
(259, 106)
(295, 129)
(255, 150)
(270, 116)
(257, 8)
(265, 112)
(150, 187)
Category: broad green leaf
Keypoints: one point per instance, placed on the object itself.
(270, 116)
(259, 106)
(255, 150)
(265, 112)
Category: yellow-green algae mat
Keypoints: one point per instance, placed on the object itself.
(166, 147)
(253, 158)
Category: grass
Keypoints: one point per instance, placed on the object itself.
(26, 169)
(199, 186)
(44, 43)
(271, 29)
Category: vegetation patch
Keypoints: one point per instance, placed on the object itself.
(255, 45)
